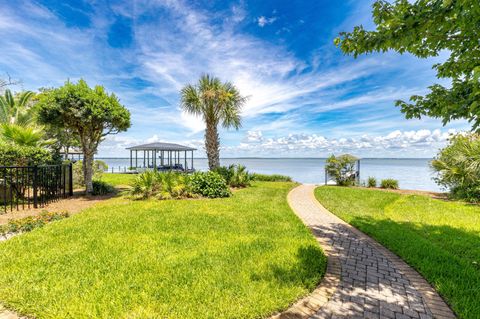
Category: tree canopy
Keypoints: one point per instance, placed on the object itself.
(90, 113)
(425, 28)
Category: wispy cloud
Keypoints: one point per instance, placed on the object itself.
(421, 142)
(263, 21)
(290, 90)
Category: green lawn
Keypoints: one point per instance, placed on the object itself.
(240, 257)
(440, 239)
(118, 179)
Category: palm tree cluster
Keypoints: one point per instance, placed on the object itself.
(458, 166)
(18, 124)
(217, 103)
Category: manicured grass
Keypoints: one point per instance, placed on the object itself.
(440, 239)
(246, 256)
(118, 179)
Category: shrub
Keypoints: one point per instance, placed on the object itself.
(372, 182)
(29, 223)
(342, 169)
(98, 168)
(102, 188)
(270, 178)
(389, 183)
(458, 167)
(162, 185)
(209, 184)
(235, 175)
(13, 155)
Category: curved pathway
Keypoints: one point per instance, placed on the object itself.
(373, 283)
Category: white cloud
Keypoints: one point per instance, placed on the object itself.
(420, 142)
(263, 21)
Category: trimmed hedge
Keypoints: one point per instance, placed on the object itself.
(209, 184)
(14, 155)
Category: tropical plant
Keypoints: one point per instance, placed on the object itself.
(24, 135)
(89, 113)
(389, 183)
(161, 185)
(372, 182)
(270, 178)
(342, 169)
(235, 175)
(427, 28)
(217, 103)
(16, 109)
(209, 184)
(458, 167)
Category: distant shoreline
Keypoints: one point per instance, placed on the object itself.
(299, 158)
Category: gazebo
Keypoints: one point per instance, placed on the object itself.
(162, 156)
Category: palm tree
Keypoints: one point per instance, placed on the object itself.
(17, 120)
(23, 135)
(217, 103)
(16, 109)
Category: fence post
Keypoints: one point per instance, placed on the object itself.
(35, 186)
(326, 177)
(70, 179)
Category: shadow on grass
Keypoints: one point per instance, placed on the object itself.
(308, 269)
(447, 257)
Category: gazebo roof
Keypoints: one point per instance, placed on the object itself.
(161, 147)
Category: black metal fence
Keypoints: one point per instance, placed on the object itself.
(34, 186)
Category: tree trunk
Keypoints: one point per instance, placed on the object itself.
(88, 171)
(212, 146)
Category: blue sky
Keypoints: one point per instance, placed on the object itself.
(305, 97)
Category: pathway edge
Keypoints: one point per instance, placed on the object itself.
(310, 304)
(434, 301)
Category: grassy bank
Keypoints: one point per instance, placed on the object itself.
(440, 239)
(240, 257)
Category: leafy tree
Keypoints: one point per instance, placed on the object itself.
(458, 167)
(61, 139)
(424, 28)
(91, 113)
(218, 103)
(342, 169)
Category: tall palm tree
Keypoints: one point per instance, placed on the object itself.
(217, 103)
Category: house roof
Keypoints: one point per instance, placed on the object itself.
(161, 147)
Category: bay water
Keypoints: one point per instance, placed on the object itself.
(412, 173)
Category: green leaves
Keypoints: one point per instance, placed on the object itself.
(342, 169)
(425, 28)
(12, 155)
(83, 109)
(215, 101)
(89, 114)
(458, 166)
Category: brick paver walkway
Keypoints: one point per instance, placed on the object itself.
(374, 283)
